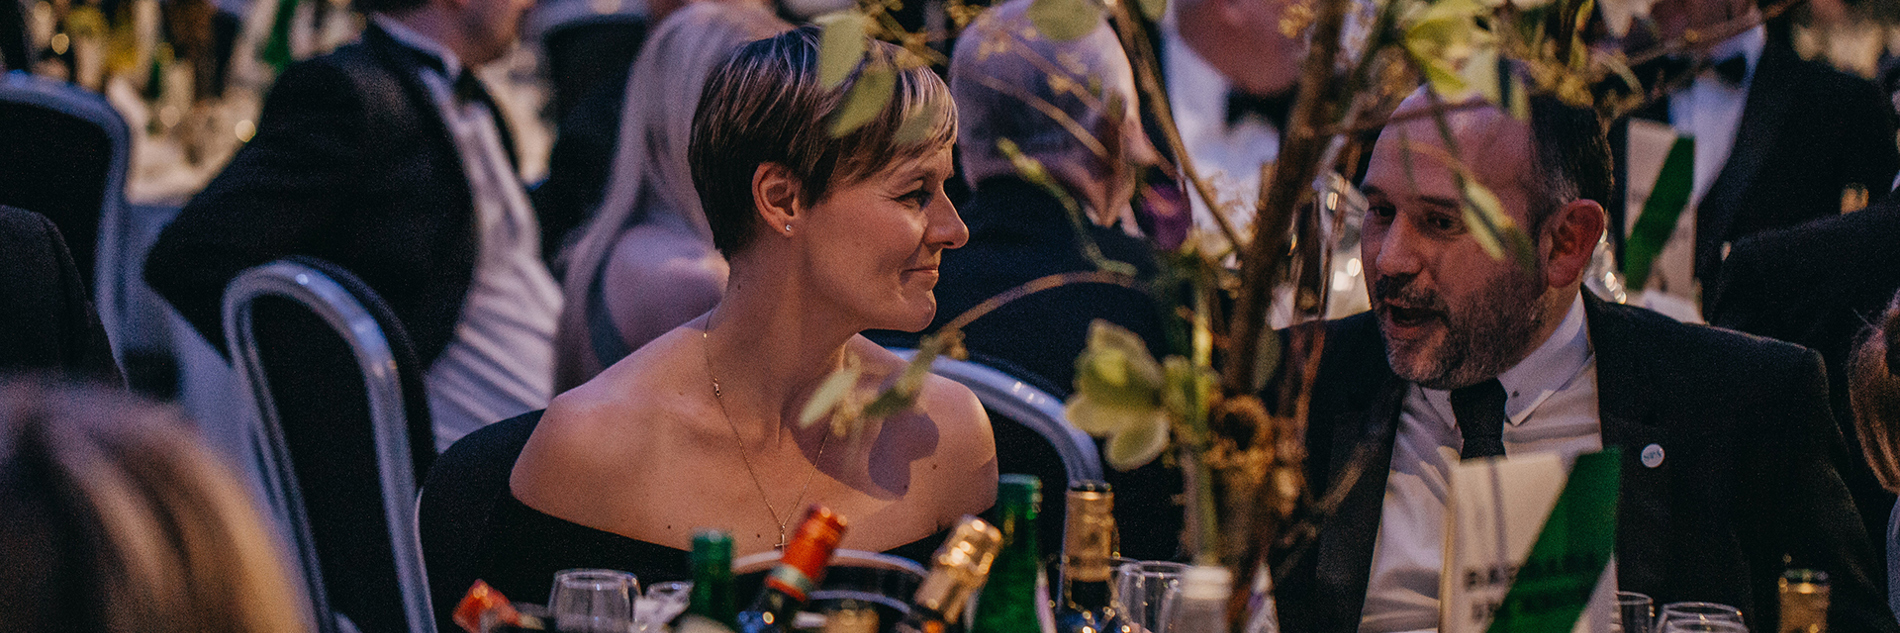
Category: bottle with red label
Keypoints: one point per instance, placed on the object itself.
(801, 567)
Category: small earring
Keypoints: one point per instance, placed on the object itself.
(788, 229)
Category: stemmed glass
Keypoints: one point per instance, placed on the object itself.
(1700, 617)
(593, 600)
(1146, 592)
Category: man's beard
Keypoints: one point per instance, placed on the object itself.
(1482, 338)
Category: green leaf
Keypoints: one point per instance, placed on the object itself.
(868, 97)
(1481, 73)
(840, 47)
(1065, 20)
(918, 126)
(1520, 106)
(1484, 216)
(829, 393)
(1153, 9)
(1138, 443)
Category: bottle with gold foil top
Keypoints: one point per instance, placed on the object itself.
(958, 568)
(801, 567)
(1804, 601)
(1087, 543)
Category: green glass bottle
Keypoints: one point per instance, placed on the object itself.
(1015, 600)
(712, 578)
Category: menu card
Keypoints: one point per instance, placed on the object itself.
(1528, 547)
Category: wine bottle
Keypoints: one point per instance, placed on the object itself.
(1015, 600)
(957, 569)
(801, 567)
(1804, 601)
(712, 597)
(1203, 602)
(1087, 542)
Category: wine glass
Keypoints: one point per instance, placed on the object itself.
(593, 600)
(1146, 592)
(1697, 613)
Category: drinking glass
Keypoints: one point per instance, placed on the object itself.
(1698, 612)
(1635, 612)
(661, 604)
(1146, 592)
(1691, 625)
(593, 600)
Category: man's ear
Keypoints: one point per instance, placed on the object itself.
(1572, 233)
(775, 197)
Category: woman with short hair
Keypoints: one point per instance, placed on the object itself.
(826, 235)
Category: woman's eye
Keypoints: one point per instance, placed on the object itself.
(918, 198)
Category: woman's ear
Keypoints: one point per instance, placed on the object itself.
(775, 196)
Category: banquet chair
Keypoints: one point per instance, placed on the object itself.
(342, 439)
(64, 154)
(1033, 436)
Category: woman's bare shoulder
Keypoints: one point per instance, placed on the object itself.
(593, 437)
(964, 462)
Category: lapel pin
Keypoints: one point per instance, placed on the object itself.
(1652, 456)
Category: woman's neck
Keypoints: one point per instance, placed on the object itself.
(769, 344)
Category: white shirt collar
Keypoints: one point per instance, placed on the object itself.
(1547, 370)
(451, 65)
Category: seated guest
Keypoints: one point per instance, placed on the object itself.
(388, 158)
(48, 322)
(1467, 356)
(646, 262)
(1020, 232)
(826, 236)
(1874, 389)
(1818, 285)
(115, 517)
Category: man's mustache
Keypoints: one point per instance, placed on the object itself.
(1401, 291)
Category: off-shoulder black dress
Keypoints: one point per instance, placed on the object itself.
(473, 528)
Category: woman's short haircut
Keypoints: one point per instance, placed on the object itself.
(115, 517)
(766, 104)
(1873, 391)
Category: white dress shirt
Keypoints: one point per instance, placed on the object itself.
(1229, 158)
(1710, 111)
(501, 362)
(1551, 407)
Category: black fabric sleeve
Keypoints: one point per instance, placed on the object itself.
(285, 191)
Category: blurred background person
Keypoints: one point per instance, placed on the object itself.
(1819, 285)
(47, 320)
(1020, 231)
(388, 158)
(115, 517)
(1778, 141)
(645, 263)
(1874, 388)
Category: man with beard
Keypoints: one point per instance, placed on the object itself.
(1729, 454)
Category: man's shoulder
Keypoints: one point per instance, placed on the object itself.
(1666, 348)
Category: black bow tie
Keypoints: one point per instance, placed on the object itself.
(465, 85)
(1272, 109)
(1669, 69)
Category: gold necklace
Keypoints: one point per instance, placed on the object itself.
(739, 443)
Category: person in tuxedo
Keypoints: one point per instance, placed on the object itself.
(1021, 231)
(1819, 285)
(1778, 141)
(389, 158)
(49, 323)
(1230, 74)
(1729, 456)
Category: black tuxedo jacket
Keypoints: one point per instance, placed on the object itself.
(353, 164)
(1749, 474)
(1807, 131)
(1818, 285)
(47, 322)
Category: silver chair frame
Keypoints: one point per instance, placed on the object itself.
(359, 329)
(1033, 407)
(108, 282)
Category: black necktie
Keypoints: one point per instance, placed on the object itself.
(1480, 411)
(1272, 108)
(465, 85)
